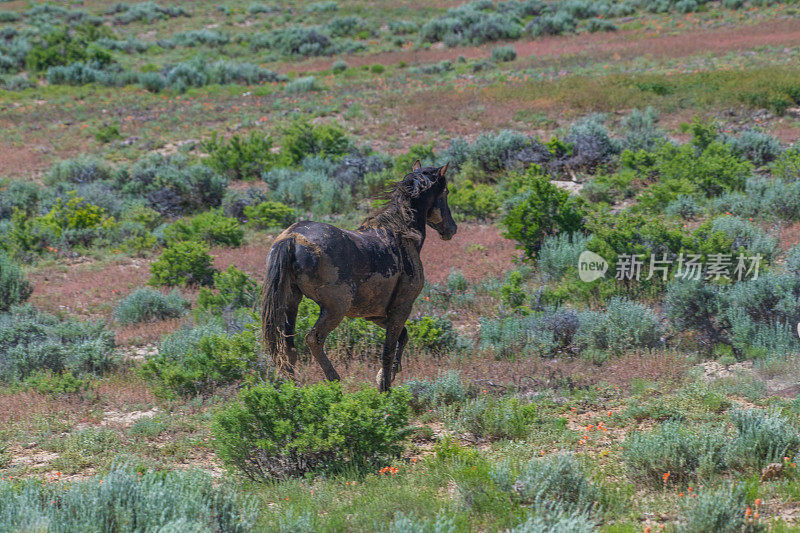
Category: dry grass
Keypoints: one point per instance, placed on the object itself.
(88, 289)
(147, 332)
(526, 374)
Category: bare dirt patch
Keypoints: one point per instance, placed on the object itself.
(479, 251)
(614, 45)
(790, 235)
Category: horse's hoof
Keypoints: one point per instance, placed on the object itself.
(379, 379)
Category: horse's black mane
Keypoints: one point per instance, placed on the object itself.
(395, 215)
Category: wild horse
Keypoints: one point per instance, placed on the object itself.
(373, 272)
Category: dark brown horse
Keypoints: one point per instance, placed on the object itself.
(373, 272)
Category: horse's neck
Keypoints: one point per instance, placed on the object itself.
(421, 227)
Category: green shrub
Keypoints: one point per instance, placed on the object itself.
(269, 215)
(294, 41)
(612, 188)
(288, 430)
(675, 453)
(198, 72)
(456, 281)
(682, 170)
(238, 158)
(19, 195)
(504, 53)
(74, 223)
(766, 198)
(171, 185)
(146, 304)
(311, 189)
(556, 479)
(345, 26)
(695, 305)
(215, 360)
(107, 133)
(446, 389)
(339, 66)
(403, 523)
(82, 169)
(556, 519)
(793, 260)
(257, 7)
(762, 314)
(594, 25)
(539, 210)
(471, 23)
(211, 227)
(83, 74)
(473, 201)
(205, 37)
(65, 47)
(590, 144)
(552, 24)
(559, 253)
(756, 316)
(746, 237)
(721, 510)
(512, 292)
(432, 333)
(626, 234)
(623, 326)
(684, 206)
(518, 336)
(322, 7)
(757, 147)
(489, 417)
(178, 344)
(14, 288)
(235, 290)
(787, 165)
(302, 85)
(32, 341)
(303, 139)
(763, 437)
(183, 263)
(640, 130)
(148, 12)
(492, 153)
(49, 382)
(124, 499)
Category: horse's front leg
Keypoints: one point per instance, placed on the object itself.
(388, 358)
(398, 356)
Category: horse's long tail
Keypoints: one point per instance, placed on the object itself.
(275, 295)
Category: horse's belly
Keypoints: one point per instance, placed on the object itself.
(373, 296)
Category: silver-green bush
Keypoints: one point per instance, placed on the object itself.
(148, 304)
(125, 500)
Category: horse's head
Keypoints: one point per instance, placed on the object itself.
(433, 198)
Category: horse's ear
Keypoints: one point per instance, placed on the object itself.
(443, 170)
(416, 166)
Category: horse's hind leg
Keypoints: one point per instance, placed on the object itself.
(329, 318)
(289, 327)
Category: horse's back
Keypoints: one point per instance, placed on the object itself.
(354, 266)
